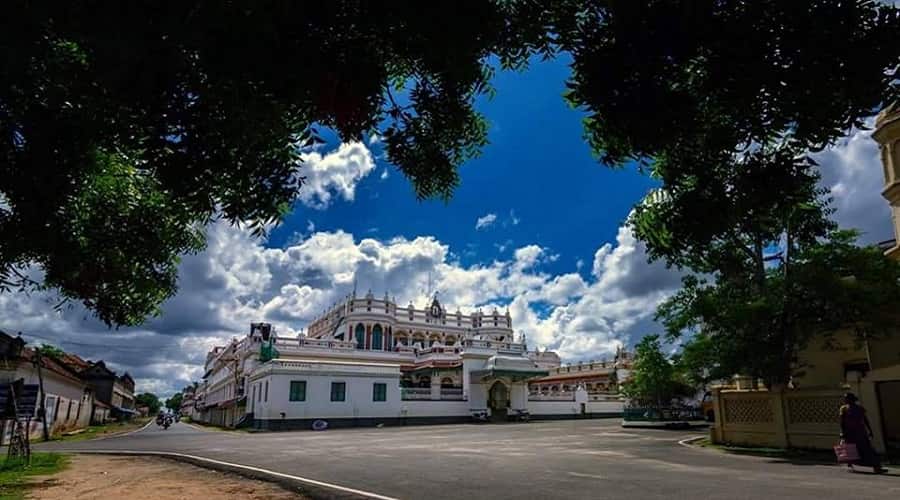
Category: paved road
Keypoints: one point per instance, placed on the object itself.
(577, 459)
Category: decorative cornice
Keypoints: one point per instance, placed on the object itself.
(892, 193)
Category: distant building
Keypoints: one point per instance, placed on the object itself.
(68, 399)
(368, 360)
(114, 391)
(188, 402)
(548, 360)
(100, 411)
(600, 379)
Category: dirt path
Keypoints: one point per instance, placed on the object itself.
(146, 478)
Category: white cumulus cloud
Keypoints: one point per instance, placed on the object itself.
(853, 174)
(334, 174)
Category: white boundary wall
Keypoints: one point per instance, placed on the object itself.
(571, 408)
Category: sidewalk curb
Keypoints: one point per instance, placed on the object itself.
(126, 433)
(688, 442)
(318, 490)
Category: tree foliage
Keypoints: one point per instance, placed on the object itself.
(827, 287)
(150, 400)
(51, 351)
(653, 377)
(174, 403)
(125, 127)
(698, 362)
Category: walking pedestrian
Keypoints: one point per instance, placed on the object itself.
(855, 429)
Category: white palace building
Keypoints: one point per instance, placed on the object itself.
(367, 361)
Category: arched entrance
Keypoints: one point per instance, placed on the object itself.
(498, 401)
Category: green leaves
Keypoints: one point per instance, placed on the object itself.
(653, 378)
(148, 399)
(174, 403)
(125, 129)
(832, 285)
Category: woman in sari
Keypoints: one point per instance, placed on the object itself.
(855, 429)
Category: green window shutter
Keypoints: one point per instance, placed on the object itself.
(298, 390)
(376, 337)
(360, 336)
(338, 391)
(379, 392)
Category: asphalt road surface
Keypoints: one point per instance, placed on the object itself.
(574, 459)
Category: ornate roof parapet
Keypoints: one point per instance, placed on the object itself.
(889, 113)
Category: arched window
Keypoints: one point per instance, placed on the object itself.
(376, 337)
(360, 336)
(446, 383)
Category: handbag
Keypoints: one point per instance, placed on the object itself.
(846, 452)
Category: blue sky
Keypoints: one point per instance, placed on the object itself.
(537, 169)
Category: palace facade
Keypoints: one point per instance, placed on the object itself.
(369, 361)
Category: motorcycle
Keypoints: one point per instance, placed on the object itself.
(164, 421)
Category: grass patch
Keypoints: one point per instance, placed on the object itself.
(14, 474)
(95, 431)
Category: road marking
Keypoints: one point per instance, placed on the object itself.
(200, 427)
(592, 476)
(313, 482)
(123, 434)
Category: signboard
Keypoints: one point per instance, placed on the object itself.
(26, 399)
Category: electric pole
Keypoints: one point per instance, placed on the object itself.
(42, 411)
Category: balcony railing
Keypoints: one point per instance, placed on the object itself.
(415, 393)
(570, 396)
(490, 344)
(325, 344)
(451, 394)
(417, 349)
(557, 396)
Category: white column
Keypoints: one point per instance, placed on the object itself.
(435, 385)
(466, 380)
